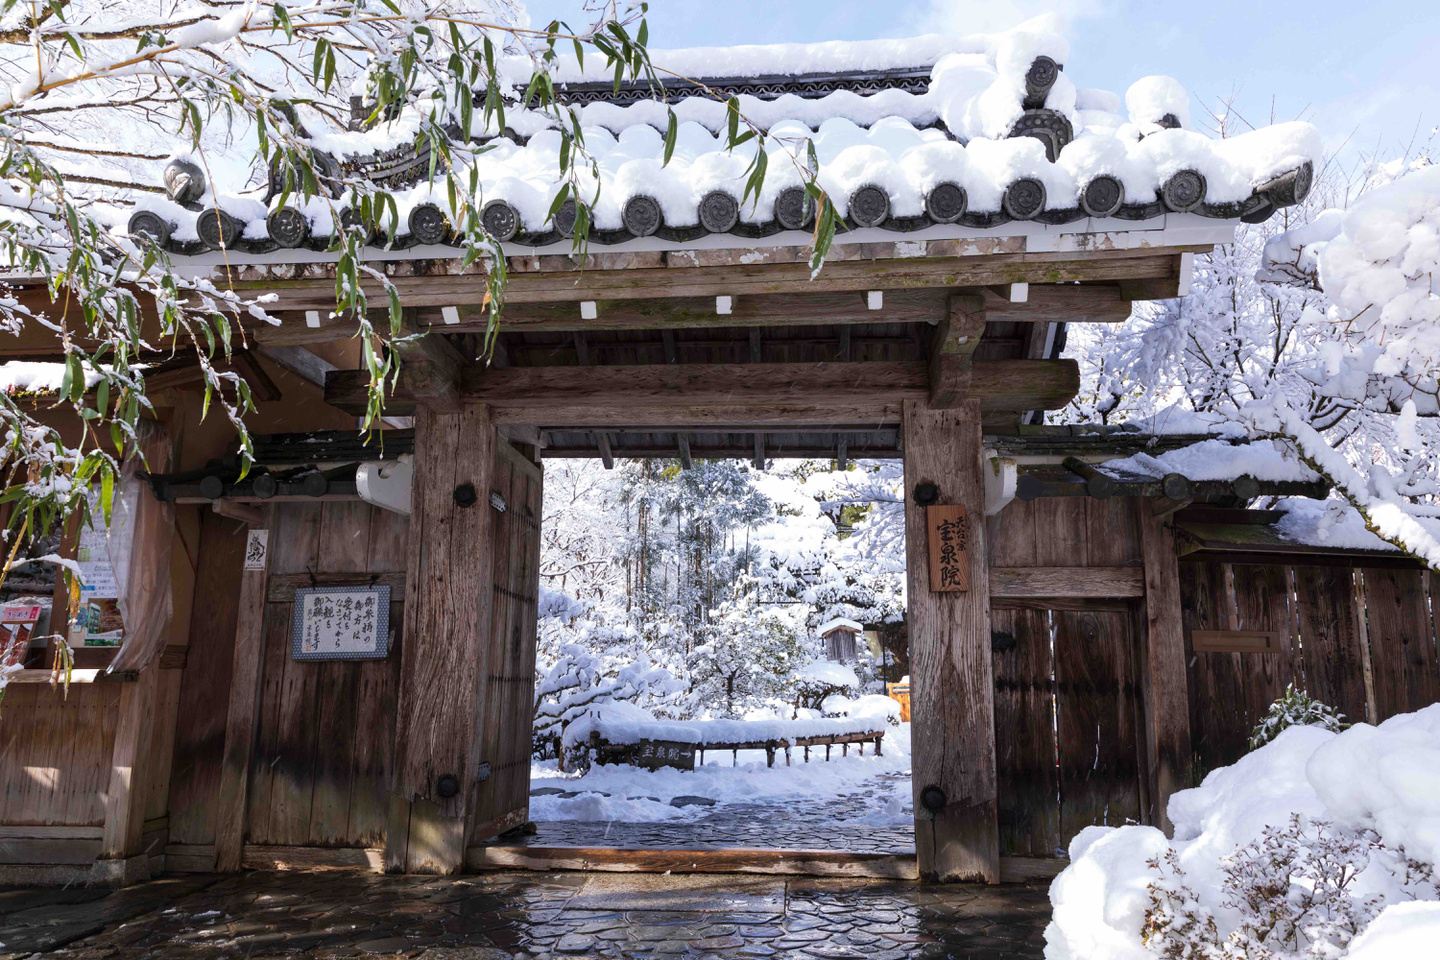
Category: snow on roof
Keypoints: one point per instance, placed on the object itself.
(1216, 460)
(997, 132)
(840, 623)
(1334, 523)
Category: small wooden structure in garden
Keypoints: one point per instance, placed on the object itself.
(691, 330)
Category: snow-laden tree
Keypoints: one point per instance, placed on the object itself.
(103, 97)
(1318, 330)
(747, 654)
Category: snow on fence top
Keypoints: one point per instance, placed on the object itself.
(975, 131)
(716, 733)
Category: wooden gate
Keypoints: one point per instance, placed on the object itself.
(502, 799)
(1067, 724)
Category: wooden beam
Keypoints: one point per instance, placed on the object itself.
(1072, 582)
(952, 343)
(430, 367)
(300, 361)
(758, 460)
(668, 338)
(662, 393)
(742, 280)
(241, 717)
(607, 456)
(1163, 675)
(816, 863)
(842, 454)
(1047, 303)
(685, 460)
(447, 610)
(952, 688)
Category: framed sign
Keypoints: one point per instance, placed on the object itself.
(341, 623)
(666, 753)
(949, 538)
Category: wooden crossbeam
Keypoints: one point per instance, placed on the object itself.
(742, 281)
(748, 393)
(684, 443)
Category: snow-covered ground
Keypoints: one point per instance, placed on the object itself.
(618, 792)
(1242, 879)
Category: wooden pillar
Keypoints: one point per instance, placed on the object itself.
(244, 705)
(121, 858)
(952, 692)
(447, 611)
(1167, 699)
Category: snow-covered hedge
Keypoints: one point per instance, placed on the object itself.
(1317, 844)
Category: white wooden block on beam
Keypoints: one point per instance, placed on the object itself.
(1019, 292)
(587, 310)
(1187, 271)
(387, 483)
(312, 318)
(723, 305)
(1000, 478)
(875, 299)
(450, 314)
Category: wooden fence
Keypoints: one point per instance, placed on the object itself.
(1361, 639)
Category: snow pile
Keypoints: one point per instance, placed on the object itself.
(957, 131)
(1371, 792)
(632, 794)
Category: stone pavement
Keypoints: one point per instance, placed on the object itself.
(848, 824)
(502, 916)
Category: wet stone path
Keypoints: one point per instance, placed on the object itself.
(855, 823)
(511, 916)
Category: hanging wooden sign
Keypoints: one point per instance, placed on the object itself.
(949, 538)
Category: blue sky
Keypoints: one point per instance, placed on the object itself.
(1365, 72)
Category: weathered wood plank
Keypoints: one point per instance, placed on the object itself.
(125, 797)
(740, 280)
(1095, 704)
(240, 719)
(952, 680)
(816, 863)
(1028, 582)
(1061, 531)
(522, 394)
(1029, 814)
(1166, 696)
(447, 611)
(1402, 646)
(1328, 628)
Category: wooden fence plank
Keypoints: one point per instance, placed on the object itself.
(1027, 792)
(1325, 612)
(1402, 644)
(1167, 707)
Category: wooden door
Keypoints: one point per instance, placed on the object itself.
(502, 800)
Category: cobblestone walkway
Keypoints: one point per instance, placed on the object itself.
(504, 916)
(838, 824)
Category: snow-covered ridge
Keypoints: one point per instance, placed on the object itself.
(1000, 134)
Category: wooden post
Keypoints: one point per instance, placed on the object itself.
(1167, 698)
(125, 798)
(443, 660)
(953, 714)
(240, 720)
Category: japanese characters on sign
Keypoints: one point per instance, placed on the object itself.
(341, 623)
(949, 537)
(666, 753)
(256, 548)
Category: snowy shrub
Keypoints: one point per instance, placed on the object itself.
(820, 681)
(1295, 708)
(1315, 845)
